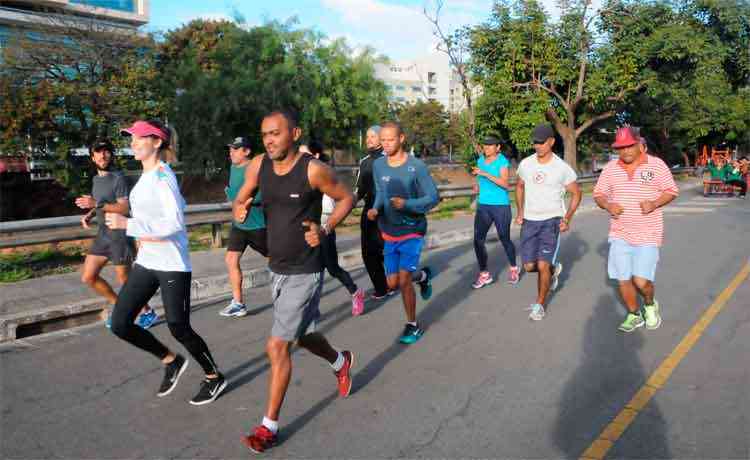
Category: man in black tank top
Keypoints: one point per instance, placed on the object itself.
(292, 185)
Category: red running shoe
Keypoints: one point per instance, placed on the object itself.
(344, 375)
(260, 440)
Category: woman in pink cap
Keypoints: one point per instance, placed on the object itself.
(163, 261)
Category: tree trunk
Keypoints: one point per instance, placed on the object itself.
(570, 144)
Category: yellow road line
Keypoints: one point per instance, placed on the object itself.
(612, 432)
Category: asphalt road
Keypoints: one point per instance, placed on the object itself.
(483, 382)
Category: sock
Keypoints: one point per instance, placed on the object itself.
(272, 425)
(422, 276)
(413, 323)
(339, 363)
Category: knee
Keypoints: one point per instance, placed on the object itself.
(404, 280)
(181, 331)
(122, 278)
(529, 267)
(641, 283)
(543, 265)
(393, 282)
(232, 261)
(276, 349)
(88, 279)
(120, 326)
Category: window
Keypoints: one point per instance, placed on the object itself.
(431, 77)
(431, 90)
(416, 89)
(400, 88)
(120, 5)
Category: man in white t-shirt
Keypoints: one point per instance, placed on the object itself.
(542, 181)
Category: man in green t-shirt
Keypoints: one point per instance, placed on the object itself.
(251, 232)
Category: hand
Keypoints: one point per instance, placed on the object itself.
(372, 214)
(475, 188)
(86, 202)
(85, 220)
(519, 219)
(647, 206)
(615, 210)
(239, 212)
(312, 235)
(476, 171)
(115, 221)
(398, 202)
(564, 225)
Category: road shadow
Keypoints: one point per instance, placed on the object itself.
(572, 249)
(435, 309)
(608, 376)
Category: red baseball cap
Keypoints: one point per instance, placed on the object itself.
(625, 137)
(143, 129)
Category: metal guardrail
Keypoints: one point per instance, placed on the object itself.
(58, 229)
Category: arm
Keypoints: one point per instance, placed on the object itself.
(248, 190)
(379, 203)
(429, 196)
(171, 221)
(520, 191)
(502, 180)
(602, 192)
(669, 191)
(575, 199)
(121, 207)
(323, 178)
(360, 188)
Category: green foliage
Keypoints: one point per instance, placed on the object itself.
(426, 125)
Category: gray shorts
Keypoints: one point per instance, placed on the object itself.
(295, 304)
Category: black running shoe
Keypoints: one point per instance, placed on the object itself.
(210, 390)
(172, 373)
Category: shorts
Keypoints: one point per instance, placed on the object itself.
(118, 250)
(296, 299)
(240, 239)
(626, 261)
(402, 255)
(540, 240)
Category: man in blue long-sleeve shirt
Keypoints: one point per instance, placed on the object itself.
(404, 193)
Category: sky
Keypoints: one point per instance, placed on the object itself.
(395, 28)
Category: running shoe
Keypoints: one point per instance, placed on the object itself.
(425, 287)
(652, 316)
(377, 296)
(344, 375)
(556, 276)
(514, 275)
(411, 334)
(632, 322)
(146, 320)
(210, 390)
(537, 312)
(483, 280)
(108, 321)
(234, 309)
(260, 440)
(172, 373)
(358, 302)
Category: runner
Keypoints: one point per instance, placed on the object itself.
(404, 194)
(328, 243)
(293, 185)
(493, 206)
(633, 190)
(251, 233)
(371, 239)
(163, 262)
(543, 179)
(735, 177)
(109, 194)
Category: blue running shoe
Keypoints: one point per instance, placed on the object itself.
(146, 320)
(108, 322)
(234, 309)
(425, 287)
(411, 334)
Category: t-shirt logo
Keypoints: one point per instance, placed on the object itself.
(386, 178)
(647, 176)
(411, 169)
(539, 177)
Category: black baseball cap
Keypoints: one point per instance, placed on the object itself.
(102, 144)
(541, 133)
(239, 142)
(492, 140)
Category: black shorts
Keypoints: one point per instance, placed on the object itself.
(240, 239)
(119, 251)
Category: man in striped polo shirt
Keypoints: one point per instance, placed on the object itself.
(633, 190)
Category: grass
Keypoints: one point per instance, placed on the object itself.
(22, 266)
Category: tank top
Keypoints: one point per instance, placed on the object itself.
(289, 200)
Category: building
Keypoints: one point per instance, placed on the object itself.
(125, 15)
(428, 78)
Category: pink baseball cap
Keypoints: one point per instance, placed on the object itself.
(143, 129)
(625, 137)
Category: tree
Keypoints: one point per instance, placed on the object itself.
(532, 69)
(425, 124)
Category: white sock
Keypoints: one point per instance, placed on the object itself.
(272, 425)
(339, 363)
(413, 323)
(422, 276)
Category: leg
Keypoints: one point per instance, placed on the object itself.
(232, 260)
(92, 267)
(530, 245)
(372, 254)
(391, 261)
(645, 289)
(122, 272)
(629, 295)
(140, 286)
(502, 225)
(278, 379)
(543, 281)
(408, 295)
(482, 222)
(330, 256)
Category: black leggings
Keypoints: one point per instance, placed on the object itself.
(372, 253)
(487, 215)
(741, 184)
(175, 293)
(330, 256)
